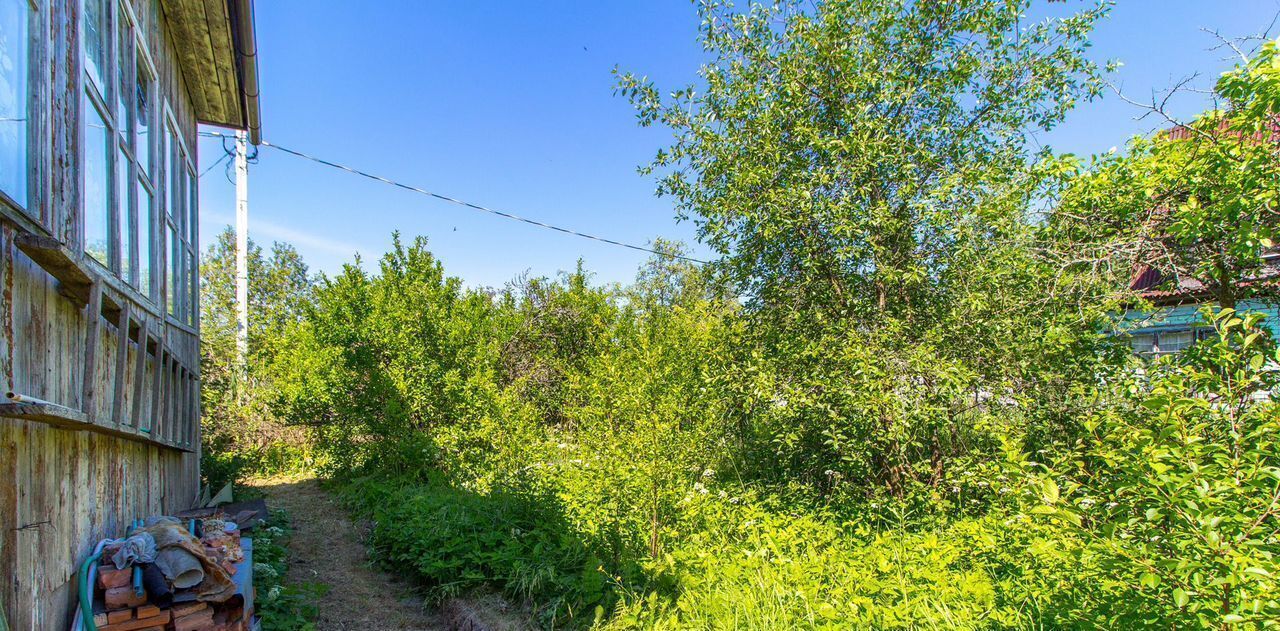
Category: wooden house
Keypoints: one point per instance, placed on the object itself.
(1174, 322)
(99, 314)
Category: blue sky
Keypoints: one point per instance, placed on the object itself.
(510, 105)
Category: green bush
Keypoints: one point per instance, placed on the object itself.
(455, 541)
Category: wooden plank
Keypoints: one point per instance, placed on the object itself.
(93, 329)
(219, 26)
(140, 370)
(187, 416)
(60, 262)
(10, 435)
(51, 413)
(157, 380)
(122, 362)
(6, 304)
(195, 51)
(66, 86)
(58, 416)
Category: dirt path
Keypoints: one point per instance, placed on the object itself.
(326, 547)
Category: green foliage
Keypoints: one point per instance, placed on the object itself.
(864, 170)
(281, 607)
(238, 424)
(1198, 202)
(893, 402)
(456, 540)
(1181, 490)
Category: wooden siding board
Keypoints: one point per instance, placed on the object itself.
(86, 484)
(194, 51)
(119, 388)
(219, 26)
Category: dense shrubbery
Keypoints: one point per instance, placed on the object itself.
(894, 401)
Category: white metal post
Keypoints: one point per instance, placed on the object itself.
(242, 248)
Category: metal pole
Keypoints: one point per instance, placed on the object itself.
(242, 248)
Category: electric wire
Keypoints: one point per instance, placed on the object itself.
(466, 204)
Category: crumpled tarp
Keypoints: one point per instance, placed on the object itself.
(136, 549)
(172, 540)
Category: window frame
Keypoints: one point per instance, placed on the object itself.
(32, 84)
(180, 297)
(128, 65)
(1196, 333)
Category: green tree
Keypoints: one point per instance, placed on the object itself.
(235, 413)
(1197, 202)
(863, 168)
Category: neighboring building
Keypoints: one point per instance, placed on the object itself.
(99, 300)
(1175, 323)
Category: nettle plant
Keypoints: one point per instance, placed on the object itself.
(1181, 493)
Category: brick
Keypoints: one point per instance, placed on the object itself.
(186, 609)
(123, 597)
(157, 622)
(146, 611)
(201, 621)
(109, 576)
(99, 619)
(119, 616)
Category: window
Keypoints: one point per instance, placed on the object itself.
(124, 226)
(1175, 341)
(1143, 344)
(15, 18)
(96, 181)
(119, 187)
(96, 39)
(143, 117)
(1168, 341)
(178, 229)
(146, 230)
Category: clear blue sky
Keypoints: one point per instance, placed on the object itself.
(511, 105)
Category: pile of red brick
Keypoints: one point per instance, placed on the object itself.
(125, 610)
(190, 616)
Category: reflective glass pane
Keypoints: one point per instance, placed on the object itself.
(96, 179)
(14, 16)
(95, 41)
(192, 279)
(175, 259)
(193, 209)
(142, 119)
(146, 236)
(1174, 341)
(177, 198)
(125, 223)
(124, 91)
(1142, 344)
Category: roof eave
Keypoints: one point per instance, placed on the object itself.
(246, 42)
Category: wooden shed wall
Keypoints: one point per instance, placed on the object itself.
(63, 486)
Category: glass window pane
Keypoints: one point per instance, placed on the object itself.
(1174, 341)
(193, 209)
(177, 197)
(124, 91)
(14, 19)
(1142, 344)
(97, 210)
(192, 279)
(146, 236)
(142, 118)
(125, 238)
(175, 259)
(95, 41)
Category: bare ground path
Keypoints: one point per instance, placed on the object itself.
(327, 547)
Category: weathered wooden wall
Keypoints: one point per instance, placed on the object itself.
(133, 450)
